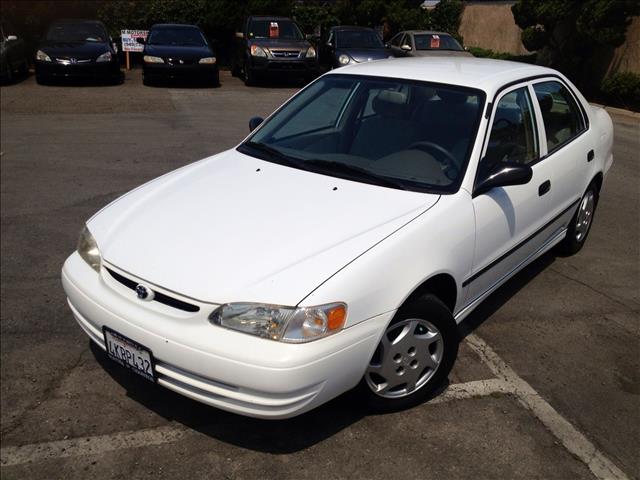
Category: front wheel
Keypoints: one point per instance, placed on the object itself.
(581, 222)
(414, 356)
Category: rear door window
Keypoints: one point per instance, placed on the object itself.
(563, 120)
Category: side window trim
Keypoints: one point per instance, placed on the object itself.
(583, 114)
(542, 133)
(496, 102)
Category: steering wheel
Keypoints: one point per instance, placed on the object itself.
(449, 162)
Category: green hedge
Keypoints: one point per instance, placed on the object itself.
(622, 90)
(485, 53)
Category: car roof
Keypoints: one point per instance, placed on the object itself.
(481, 73)
(425, 32)
(269, 17)
(351, 27)
(174, 25)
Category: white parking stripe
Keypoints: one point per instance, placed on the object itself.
(96, 445)
(571, 438)
(156, 436)
(507, 382)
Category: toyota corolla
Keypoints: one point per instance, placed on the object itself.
(340, 244)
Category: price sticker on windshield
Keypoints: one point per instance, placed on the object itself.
(274, 30)
(435, 41)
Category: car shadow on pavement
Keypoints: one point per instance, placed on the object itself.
(298, 433)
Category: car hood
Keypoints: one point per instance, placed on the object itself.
(75, 49)
(280, 43)
(178, 51)
(364, 54)
(235, 228)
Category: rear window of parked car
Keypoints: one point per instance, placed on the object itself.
(562, 117)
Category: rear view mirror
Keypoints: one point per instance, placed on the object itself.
(254, 122)
(503, 175)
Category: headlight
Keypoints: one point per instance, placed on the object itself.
(152, 59)
(209, 60)
(43, 57)
(105, 57)
(285, 324)
(344, 59)
(311, 53)
(257, 51)
(88, 249)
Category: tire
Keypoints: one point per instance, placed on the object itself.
(581, 222)
(248, 76)
(146, 82)
(414, 357)
(235, 69)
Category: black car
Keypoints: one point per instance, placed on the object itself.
(13, 54)
(272, 46)
(347, 45)
(77, 49)
(178, 52)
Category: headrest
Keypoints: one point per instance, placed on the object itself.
(389, 103)
(545, 100)
(452, 97)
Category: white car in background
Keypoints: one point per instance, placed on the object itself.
(339, 245)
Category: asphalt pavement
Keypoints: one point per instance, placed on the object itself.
(547, 384)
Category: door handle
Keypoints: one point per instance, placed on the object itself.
(544, 188)
(590, 156)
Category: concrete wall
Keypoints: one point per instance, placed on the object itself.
(491, 25)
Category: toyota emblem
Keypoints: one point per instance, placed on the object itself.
(144, 293)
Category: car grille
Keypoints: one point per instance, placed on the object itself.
(158, 296)
(72, 60)
(285, 53)
(181, 61)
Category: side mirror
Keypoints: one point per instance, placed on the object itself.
(503, 175)
(140, 40)
(386, 45)
(330, 44)
(406, 48)
(239, 35)
(11, 38)
(254, 122)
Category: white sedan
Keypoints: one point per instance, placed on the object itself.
(339, 245)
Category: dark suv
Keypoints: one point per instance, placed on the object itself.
(272, 45)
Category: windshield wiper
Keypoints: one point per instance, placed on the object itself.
(358, 172)
(275, 154)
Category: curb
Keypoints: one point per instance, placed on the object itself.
(618, 111)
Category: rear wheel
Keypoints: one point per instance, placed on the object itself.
(414, 357)
(581, 222)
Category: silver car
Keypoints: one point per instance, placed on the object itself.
(424, 43)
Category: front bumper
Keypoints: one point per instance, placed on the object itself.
(222, 368)
(85, 71)
(268, 65)
(194, 72)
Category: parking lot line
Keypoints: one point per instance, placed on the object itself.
(574, 441)
(507, 382)
(95, 445)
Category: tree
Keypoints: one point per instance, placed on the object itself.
(576, 37)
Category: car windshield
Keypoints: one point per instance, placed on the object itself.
(398, 133)
(177, 36)
(77, 32)
(434, 41)
(358, 39)
(285, 29)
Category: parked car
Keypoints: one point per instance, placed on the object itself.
(13, 54)
(339, 245)
(272, 46)
(77, 49)
(419, 43)
(346, 45)
(178, 52)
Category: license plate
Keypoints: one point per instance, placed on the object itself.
(129, 354)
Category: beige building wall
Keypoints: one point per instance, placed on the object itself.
(626, 58)
(491, 25)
